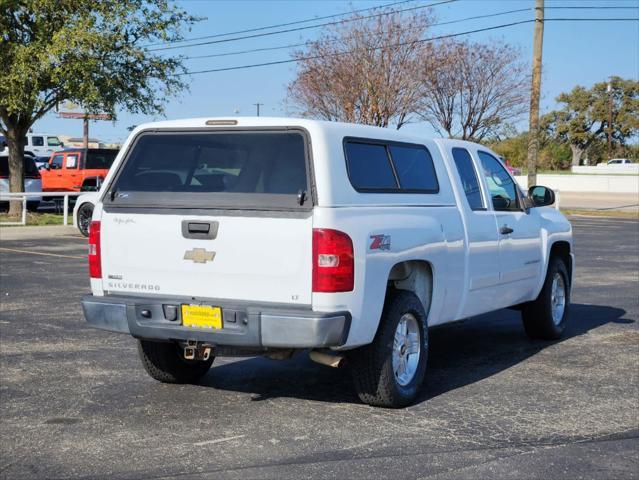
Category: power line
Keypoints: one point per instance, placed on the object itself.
(313, 57)
(592, 19)
(592, 8)
(288, 24)
(425, 40)
(297, 29)
(283, 47)
(379, 7)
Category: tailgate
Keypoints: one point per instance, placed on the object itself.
(253, 259)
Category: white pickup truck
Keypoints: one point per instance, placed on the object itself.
(267, 236)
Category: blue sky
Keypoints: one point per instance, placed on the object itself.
(575, 53)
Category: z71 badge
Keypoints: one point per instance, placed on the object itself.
(380, 242)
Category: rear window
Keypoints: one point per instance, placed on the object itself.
(30, 168)
(375, 166)
(256, 169)
(100, 159)
(369, 166)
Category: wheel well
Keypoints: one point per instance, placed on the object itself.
(562, 250)
(415, 276)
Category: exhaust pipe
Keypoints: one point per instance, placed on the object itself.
(334, 361)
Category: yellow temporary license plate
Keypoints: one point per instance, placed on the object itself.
(202, 316)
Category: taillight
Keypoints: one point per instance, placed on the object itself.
(95, 255)
(333, 266)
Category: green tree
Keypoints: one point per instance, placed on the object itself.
(553, 153)
(91, 52)
(583, 118)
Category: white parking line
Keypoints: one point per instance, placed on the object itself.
(40, 253)
(217, 440)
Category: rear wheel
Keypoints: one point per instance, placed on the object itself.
(390, 371)
(545, 318)
(165, 362)
(85, 213)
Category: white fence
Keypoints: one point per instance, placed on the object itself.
(586, 183)
(23, 196)
(605, 169)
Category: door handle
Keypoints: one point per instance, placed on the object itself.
(199, 229)
(506, 230)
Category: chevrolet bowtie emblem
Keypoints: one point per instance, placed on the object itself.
(199, 255)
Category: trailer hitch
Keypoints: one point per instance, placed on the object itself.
(197, 351)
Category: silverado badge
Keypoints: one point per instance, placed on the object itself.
(199, 255)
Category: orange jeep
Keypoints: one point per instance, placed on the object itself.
(76, 169)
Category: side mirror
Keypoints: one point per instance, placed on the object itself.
(541, 196)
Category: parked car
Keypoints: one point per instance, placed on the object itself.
(32, 180)
(75, 169)
(270, 236)
(514, 171)
(83, 211)
(619, 161)
(37, 144)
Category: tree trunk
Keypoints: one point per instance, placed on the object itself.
(577, 152)
(15, 142)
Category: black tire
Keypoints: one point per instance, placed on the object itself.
(372, 365)
(85, 212)
(165, 362)
(33, 206)
(537, 315)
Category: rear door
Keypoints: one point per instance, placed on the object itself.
(481, 236)
(220, 214)
(71, 178)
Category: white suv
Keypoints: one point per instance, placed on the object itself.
(269, 235)
(37, 144)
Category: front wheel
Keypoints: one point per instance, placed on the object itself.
(389, 372)
(545, 318)
(165, 362)
(85, 213)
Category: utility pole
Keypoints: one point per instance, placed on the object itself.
(85, 131)
(533, 123)
(609, 90)
(258, 104)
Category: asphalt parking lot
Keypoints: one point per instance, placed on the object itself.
(76, 403)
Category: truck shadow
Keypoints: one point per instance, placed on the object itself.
(460, 354)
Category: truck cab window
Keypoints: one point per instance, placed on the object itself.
(468, 177)
(501, 186)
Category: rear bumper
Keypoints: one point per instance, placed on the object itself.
(244, 325)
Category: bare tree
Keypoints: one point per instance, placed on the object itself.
(470, 90)
(363, 71)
